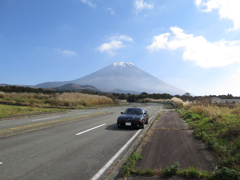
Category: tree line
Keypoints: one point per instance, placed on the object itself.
(22, 89)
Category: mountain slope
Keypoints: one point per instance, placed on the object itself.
(72, 86)
(125, 76)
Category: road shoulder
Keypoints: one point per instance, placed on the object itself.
(168, 142)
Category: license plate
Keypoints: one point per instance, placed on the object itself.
(128, 124)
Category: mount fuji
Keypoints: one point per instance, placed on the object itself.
(120, 75)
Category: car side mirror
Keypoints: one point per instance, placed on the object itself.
(121, 112)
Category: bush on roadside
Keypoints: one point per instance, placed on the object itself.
(177, 101)
(227, 174)
(78, 99)
(131, 161)
(172, 170)
(149, 172)
(2, 94)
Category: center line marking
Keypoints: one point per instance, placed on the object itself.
(45, 118)
(90, 129)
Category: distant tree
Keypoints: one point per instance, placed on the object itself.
(131, 98)
(178, 96)
(187, 94)
(122, 96)
(144, 93)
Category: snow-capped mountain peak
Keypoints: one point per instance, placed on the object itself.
(121, 75)
(122, 64)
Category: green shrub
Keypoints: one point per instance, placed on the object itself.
(149, 172)
(192, 116)
(193, 172)
(130, 164)
(172, 170)
(238, 145)
(227, 174)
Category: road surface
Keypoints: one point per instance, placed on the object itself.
(71, 151)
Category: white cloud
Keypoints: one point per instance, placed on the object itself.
(139, 5)
(125, 38)
(65, 52)
(89, 3)
(110, 47)
(111, 11)
(228, 9)
(159, 42)
(114, 44)
(198, 2)
(231, 87)
(198, 49)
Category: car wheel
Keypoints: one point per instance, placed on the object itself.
(147, 121)
(142, 126)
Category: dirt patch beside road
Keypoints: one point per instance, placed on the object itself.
(171, 142)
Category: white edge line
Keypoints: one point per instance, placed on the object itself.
(45, 118)
(90, 129)
(153, 116)
(103, 169)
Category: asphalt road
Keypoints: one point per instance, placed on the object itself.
(6, 124)
(72, 151)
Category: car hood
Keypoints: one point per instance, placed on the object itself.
(130, 117)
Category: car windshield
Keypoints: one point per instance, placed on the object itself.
(134, 111)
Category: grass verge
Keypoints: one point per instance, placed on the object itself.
(219, 128)
(130, 163)
(10, 110)
(174, 170)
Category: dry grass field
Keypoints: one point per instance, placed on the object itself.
(31, 103)
(59, 100)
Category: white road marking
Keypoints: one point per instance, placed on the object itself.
(152, 117)
(103, 169)
(45, 118)
(0, 162)
(90, 129)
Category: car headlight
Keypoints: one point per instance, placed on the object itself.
(140, 120)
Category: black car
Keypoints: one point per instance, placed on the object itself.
(133, 117)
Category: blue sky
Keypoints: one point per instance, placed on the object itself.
(191, 44)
